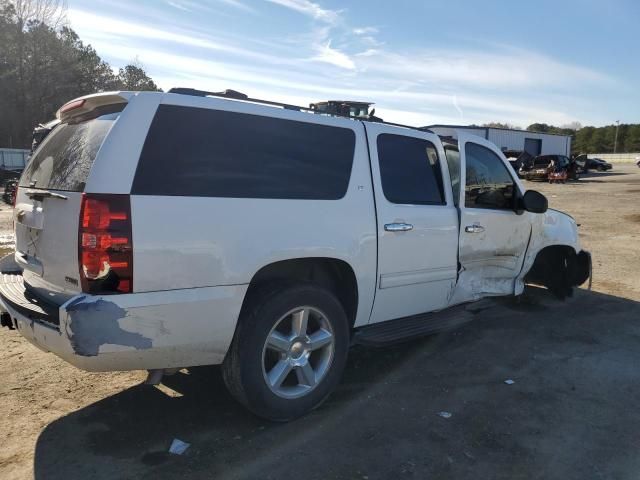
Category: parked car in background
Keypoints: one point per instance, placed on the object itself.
(165, 230)
(517, 158)
(598, 164)
(585, 164)
(7, 174)
(541, 166)
(535, 169)
(9, 194)
(41, 132)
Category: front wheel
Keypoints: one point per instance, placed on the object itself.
(288, 352)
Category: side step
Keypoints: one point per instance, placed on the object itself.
(408, 328)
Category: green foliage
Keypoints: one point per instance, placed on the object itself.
(501, 125)
(42, 67)
(597, 139)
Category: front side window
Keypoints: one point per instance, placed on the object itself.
(488, 183)
(409, 170)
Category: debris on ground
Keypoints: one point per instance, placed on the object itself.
(178, 447)
(444, 414)
(508, 381)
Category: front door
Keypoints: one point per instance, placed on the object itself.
(493, 236)
(417, 223)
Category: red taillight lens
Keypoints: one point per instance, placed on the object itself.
(72, 105)
(105, 244)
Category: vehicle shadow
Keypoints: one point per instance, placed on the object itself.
(382, 422)
(592, 176)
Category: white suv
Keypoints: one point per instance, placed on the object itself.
(163, 230)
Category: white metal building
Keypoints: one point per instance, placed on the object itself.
(516, 140)
(13, 158)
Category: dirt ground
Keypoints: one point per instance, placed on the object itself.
(571, 413)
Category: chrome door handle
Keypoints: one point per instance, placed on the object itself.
(474, 228)
(398, 227)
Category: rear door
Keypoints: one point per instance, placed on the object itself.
(417, 222)
(49, 199)
(493, 236)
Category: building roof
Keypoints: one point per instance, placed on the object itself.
(475, 127)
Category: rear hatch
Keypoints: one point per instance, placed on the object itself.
(49, 200)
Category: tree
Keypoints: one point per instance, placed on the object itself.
(538, 127)
(632, 140)
(133, 77)
(43, 64)
(575, 126)
(501, 125)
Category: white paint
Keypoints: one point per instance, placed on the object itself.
(492, 259)
(186, 328)
(420, 264)
(195, 257)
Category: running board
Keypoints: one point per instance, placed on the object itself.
(408, 328)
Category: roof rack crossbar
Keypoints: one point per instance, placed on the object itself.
(233, 94)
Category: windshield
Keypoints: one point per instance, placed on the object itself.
(64, 159)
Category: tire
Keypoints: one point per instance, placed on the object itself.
(251, 363)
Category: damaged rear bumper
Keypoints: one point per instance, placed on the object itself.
(139, 331)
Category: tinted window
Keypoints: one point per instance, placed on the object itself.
(453, 161)
(64, 159)
(409, 170)
(488, 184)
(211, 153)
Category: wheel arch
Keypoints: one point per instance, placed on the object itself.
(336, 275)
(559, 267)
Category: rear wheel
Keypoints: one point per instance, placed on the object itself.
(289, 351)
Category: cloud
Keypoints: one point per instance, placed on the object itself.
(365, 31)
(190, 5)
(239, 5)
(334, 57)
(310, 9)
(104, 27)
(512, 68)
(410, 85)
(179, 6)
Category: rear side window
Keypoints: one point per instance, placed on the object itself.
(64, 159)
(211, 153)
(409, 170)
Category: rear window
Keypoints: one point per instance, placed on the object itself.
(212, 153)
(64, 159)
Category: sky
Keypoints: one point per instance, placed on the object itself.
(420, 62)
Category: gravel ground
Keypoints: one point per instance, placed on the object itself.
(571, 412)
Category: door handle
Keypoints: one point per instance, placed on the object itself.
(474, 228)
(398, 227)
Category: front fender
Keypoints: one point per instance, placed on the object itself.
(552, 228)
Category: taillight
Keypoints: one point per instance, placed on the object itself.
(72, 105)
(105, 244)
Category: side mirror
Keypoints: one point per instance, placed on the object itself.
(534, 202)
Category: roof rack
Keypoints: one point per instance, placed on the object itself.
(235, 95)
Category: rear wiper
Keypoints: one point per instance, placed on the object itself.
(40, 194)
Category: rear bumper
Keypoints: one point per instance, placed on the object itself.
(139, 331)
